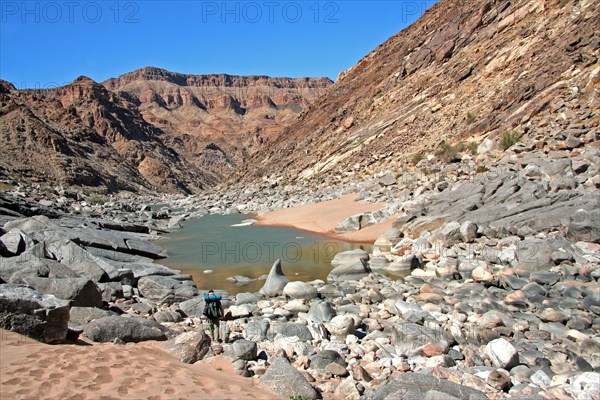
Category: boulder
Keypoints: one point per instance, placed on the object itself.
(144, 249)
(350, 224)
(246, 298)
(42, 317)
(80, 261)
(290, 329)
(127, 329)
(275, 282)
(468, 231)
(165, 290)
(285, 380)
(410, 339)
(502, 353)
(243, 349)
(321, 311)
(387, 180)
(257, 331)
(533, 255)
(167, 316)
(193, 307)
(189, 347)
(347, 272)
(15, 242)
(81, 292)
(341, 325)
(323, 358)
(421, 386)
(30, 225)
(15, 269)
(449, 234)
(350, 256)
(300, 290)
(584, 226)
(84, 315)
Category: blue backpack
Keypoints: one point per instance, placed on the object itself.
(211, 309)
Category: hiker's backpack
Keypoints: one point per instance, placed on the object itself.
(211, 309)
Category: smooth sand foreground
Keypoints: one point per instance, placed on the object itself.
(323, 217)
(34, 370)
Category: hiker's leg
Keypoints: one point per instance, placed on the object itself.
(212, 329)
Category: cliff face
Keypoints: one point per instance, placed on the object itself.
(463, 70)
(82, 134)
(234, 114)
(147, 130)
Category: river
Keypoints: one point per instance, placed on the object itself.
(212, 243)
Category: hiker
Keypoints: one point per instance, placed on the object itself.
(213, 310)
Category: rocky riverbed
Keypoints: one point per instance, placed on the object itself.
(502, 299)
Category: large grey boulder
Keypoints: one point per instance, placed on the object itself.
(449, 234)
(80, 261)
(502, 353)
(42, 317)
(127, 329)
(421, 386)
(166, 290)
(349, 257)
(84, 315)
(243, 349)
(321, 311)
(189, 347)
(193, 307)
(257, 331)
(30, 225)
(351, 271)
(584, 226)
(122, 226)
(15, 242)
(81, 292)
(323, 358)
(533, 255)
(276, 281)
(350, 224)
(290, 329)
(145, 249)
(300, 290)
(246, 298)
(285, 380)
(15, 269)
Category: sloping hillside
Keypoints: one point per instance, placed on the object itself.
(464, 70)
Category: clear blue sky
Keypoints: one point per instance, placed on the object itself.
(50, 43)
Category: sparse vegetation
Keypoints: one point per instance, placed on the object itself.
(508, 139)
(471, 147)
(470, 118)
(423, 134)
(96, 199)
(219, 368)
(446, 152)
(564, 2)
(416, 158)
(378, 95)
(6, 186)
(298, 397)
(480, 169)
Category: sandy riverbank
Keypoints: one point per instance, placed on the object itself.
(323, 217)
(34, 370)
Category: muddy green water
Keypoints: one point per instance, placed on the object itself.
(212, 243)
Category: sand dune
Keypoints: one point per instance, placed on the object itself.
(323, 217)
(33, 370)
